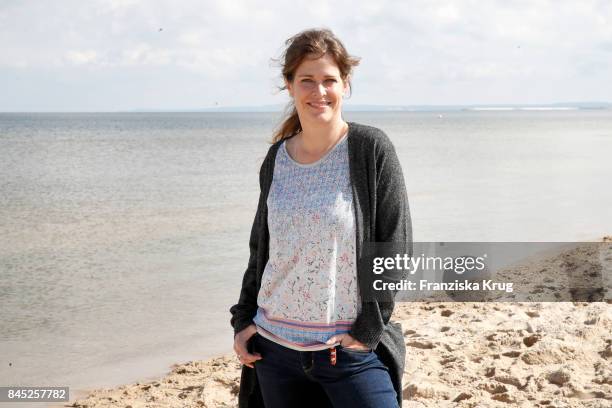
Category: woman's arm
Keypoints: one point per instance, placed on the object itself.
(244, 311)
(392, 224)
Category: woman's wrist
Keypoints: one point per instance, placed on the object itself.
(354, 343)
(249, 330)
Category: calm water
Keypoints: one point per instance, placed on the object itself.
(124, 237)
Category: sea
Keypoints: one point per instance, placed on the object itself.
(124, 236)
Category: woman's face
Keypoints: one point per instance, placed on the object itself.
(317, 90)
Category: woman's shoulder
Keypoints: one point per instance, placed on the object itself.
(370, 137)
(268, 161)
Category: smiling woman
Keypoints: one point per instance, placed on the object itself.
(317, 93)
(319, 86)
(316, 70)
(303, 333)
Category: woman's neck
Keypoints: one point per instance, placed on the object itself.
(315, 140)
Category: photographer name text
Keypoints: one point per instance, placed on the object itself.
(457, 285)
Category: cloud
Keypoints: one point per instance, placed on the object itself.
(487, 47)
(145, 54)
(81, 57)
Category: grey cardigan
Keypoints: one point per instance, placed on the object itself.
(382, 215)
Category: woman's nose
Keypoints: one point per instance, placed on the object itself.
(320, 89)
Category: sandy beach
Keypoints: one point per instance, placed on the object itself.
(463, 354)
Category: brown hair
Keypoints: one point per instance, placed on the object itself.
(317, 42)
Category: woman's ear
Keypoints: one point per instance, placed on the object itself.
(289, 87)
(347, 85)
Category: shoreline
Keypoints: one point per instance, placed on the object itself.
(548, 354)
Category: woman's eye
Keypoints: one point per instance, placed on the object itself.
(307, 80)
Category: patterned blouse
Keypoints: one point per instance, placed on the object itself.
(309, 289)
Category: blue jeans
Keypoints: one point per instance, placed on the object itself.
(291, 378)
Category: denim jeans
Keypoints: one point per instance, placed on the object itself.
(291, 378)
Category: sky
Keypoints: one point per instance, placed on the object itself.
(113, 55)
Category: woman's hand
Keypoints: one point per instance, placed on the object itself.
(240, 346)
(347, 341)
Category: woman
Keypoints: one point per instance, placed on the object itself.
(303, 333)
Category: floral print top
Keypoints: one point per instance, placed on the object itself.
(309, 290)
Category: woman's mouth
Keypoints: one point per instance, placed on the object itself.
(319, 105)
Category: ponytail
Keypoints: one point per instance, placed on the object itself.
(290, 125)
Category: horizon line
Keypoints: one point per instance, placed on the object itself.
(560, 106)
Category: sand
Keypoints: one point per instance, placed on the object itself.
(460, 354)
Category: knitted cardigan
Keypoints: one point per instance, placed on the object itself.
(382, 215)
